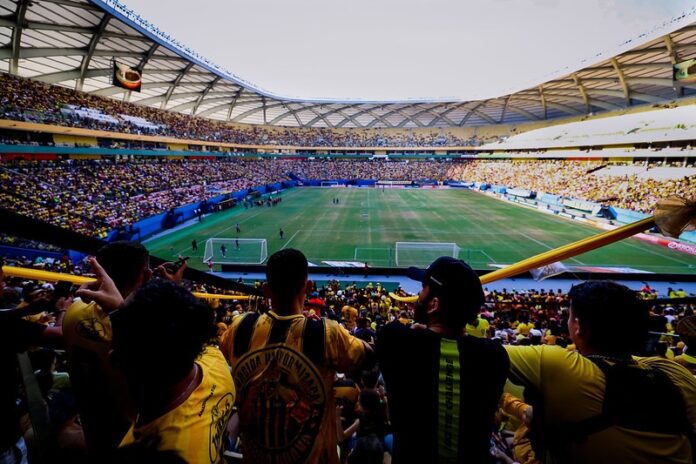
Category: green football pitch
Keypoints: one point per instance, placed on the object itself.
(367, 223)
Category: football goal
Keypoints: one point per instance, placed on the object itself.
(235, 250)
(421, 254)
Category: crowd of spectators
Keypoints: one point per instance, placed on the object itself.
(31, 101)
(574, 179)
(96, 196)
(322, 169)
(368, 424)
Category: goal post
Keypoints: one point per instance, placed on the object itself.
(331, 183)
(421, 254)
(235, 250)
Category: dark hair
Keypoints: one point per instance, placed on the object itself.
(123, 261)
(370, 401)
(368, 450)
(369, 378)
(286, 274)
(615, 319)
(456, 310)
(159, 333)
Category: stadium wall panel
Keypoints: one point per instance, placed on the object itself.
(627, 216)
(16, 252)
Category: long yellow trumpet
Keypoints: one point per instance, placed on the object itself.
(568, 251)
(558, 254)
(50, 276)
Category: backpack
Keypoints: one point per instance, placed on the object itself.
(635, 398)
(281, 394)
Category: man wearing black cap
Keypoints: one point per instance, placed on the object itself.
(443, 386)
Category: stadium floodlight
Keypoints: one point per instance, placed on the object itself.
(235, 250)
(421, 254)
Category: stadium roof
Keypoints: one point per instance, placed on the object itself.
(73, 42)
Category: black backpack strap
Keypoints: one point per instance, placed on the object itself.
(629, 402)
(243, 334)
(279, 331)
(629, 385)
(314, 341)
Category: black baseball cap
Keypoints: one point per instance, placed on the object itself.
(450, 276)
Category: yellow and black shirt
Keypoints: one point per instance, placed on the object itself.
(196, 428)
(283, 368)
(442, 393)
(106, 410)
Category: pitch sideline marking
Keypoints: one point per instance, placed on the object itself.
(633, 245)
(290, 239)
(539, 242)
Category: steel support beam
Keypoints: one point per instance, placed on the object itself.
(313, 121)
(61, 76)
(471, 111)
(93, 42)
(84, 6)
(542, 99)
(234, 102)
(16, 40)
(672, 53)
(174, 84)
(558, 106)
(583, 92)
(208, 88)
(354, 117)
(622, 80)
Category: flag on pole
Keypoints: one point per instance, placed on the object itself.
(550, 270)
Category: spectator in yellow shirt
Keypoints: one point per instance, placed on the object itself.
(182, 387)
(478, 327)
(652, 400)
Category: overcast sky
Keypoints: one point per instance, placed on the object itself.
(390, 50)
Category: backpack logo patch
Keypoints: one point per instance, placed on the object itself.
(282, 402)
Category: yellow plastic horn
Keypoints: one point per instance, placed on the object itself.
(38, 274)
(403, 299)
(49, 276)
(559, 254)
(570, 250)
(212, 296)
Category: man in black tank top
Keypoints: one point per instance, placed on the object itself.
(443, 387)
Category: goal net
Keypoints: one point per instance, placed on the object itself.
(331, 183)
(235, 250)
(421, 254)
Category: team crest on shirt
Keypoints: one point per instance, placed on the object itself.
(219, 414)
(91, 329)
(282, 403)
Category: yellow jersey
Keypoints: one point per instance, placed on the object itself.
(284, 367)
(572, 388)
(196, 428)
(106, 410)
(350, 317)
(480, 330)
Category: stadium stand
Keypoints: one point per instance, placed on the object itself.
(99, 196)
(571, 179)
(30, 101)
(182, 373)
(659, 125)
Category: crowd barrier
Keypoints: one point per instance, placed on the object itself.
(28, 253)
